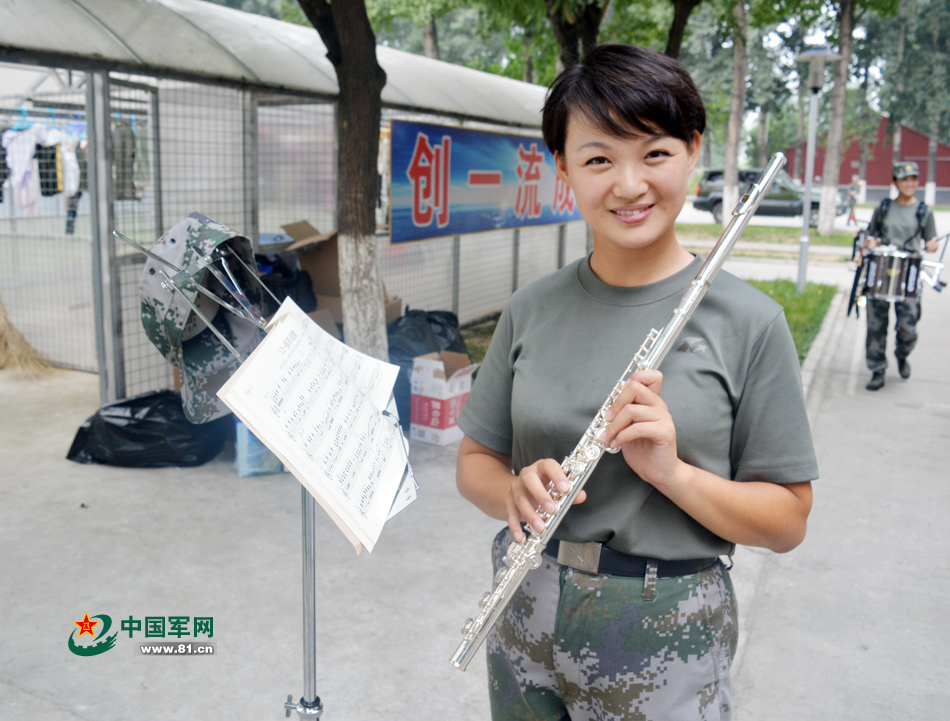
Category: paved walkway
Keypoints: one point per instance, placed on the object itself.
(851, 625)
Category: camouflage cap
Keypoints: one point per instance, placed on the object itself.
(177, 331)
(905, 170)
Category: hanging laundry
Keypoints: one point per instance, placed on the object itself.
(50, 178)
(4, 168)
(123, 153)
(72, 201)
(20, 145)
(67, 166)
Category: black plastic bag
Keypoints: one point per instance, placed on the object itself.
(284, 281)
(147, 431)
(414, 334)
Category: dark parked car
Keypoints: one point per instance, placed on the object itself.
(784, 197)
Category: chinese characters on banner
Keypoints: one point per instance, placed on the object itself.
(453, 181)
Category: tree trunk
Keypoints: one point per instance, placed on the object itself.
(863, 167)
(589, 26)
(430, 40)
(901, 44)
(528, 56)
(930, 189)
(829, 186)
(763, 136)
(575, 34)
(730, 190)
(681, 12)
(351, 47)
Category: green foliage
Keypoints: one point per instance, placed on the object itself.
(707, 56)
(290, 12)
(804, 312)
(530, 50)
(645, 23)
(783, 129)
(917, 72)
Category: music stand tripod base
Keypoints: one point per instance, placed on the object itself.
(304, 711)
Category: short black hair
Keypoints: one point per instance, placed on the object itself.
(624, 90)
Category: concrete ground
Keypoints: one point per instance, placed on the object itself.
(851, 625)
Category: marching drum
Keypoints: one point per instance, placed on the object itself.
(891, 274)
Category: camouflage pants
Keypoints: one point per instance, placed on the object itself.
(581, 647)
(908, 313)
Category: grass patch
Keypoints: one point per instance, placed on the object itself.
(803, 311)
(478, 336)
(686, 232)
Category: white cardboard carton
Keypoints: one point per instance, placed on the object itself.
(440, 386)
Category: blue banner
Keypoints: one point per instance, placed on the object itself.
(453, 181)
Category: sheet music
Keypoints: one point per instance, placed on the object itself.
(318, 405)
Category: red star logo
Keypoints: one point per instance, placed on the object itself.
(85, 626)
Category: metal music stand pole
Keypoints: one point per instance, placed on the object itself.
(309, 705)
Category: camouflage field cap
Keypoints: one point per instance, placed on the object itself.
(905, 170)
(176, 330)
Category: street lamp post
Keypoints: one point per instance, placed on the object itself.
(816, 58)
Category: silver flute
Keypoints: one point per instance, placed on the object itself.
(580, 464)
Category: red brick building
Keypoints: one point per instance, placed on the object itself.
(880, 158)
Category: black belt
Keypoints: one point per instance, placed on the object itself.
(621, 564)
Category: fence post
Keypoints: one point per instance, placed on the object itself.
(561, 244)
(157, 194)
(105, 283)
(456, 272)
(251, 190)
(515, 258)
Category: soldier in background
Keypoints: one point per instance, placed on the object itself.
(909, 225)
(853, 190)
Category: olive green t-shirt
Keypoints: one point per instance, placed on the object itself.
(732, 382)
(901, 226)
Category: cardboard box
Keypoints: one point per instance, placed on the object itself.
(319, 255)
(440, 384)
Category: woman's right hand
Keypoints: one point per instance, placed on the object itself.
(870, 242)
(529, 491)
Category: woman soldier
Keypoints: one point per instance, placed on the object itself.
(638, 619)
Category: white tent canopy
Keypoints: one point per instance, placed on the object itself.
(203, 40)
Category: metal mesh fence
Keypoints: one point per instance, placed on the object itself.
(297, 163)
(250, 159)
(45, 259)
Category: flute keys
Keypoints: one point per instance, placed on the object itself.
(483, 601)
(578, 468)
(534, 561)
(467, 627)
(500, 576)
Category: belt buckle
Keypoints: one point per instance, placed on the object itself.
(582, 556)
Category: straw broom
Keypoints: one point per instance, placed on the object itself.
(15, 352)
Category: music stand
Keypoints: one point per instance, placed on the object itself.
(219, 264)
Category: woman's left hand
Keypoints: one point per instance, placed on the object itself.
(641, 424)
(932, 245)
